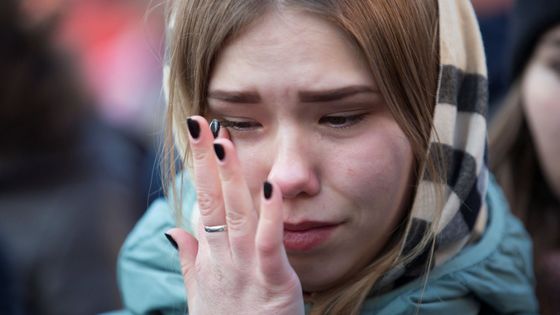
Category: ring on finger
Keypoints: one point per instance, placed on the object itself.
(215, 228)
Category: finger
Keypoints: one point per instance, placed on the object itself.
(218, 131)
(224, 133)
(271, 255)
(208, 189)
(241, 215)
(205, 169)
(187, 246)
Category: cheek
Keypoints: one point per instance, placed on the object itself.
(541, 90)
(255, 171)
(374, 179)
(541, 101)
(376, 171)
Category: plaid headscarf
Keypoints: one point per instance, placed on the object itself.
(460, 133)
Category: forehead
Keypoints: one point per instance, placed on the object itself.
(290, 44)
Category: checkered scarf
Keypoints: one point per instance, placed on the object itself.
(460, 133)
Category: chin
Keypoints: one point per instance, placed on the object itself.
(318, 274)
(317, 285)
(318, 278)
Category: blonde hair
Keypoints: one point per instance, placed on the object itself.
(399, 41)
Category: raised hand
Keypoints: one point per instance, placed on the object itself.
(238, 265)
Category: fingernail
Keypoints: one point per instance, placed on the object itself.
(194, 128)
(215, 127)
(220, 152)
(171, 240)
(267, 190)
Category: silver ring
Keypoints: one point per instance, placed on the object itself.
(215, 228)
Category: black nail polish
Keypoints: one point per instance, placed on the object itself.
(220, 152)
(194, 128)
(215, 128)
(267, 190)
(171, 241)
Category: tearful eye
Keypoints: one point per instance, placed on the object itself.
(243, 125)
(341, 121)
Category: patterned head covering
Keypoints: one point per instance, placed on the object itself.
(460, 133)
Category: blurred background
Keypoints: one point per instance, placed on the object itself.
(81, 114)
(117, 49)
(80, 121)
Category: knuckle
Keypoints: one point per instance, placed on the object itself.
(235, 219)
(266, 248)
(207, 202)
(199, 155)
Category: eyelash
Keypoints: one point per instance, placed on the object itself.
(348, 122)
(239, 125)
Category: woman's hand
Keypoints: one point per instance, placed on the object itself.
(244, 269)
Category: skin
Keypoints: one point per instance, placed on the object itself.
(541, 101)
(272, 81)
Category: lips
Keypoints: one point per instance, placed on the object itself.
(306, 236)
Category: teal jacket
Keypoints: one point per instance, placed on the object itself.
(493, 276)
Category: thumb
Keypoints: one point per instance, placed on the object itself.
(187, 246)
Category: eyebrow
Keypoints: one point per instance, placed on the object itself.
(235, 96)
(318, 96)
(334, 94)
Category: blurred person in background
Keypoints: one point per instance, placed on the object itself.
(525, 138)
(71, 186)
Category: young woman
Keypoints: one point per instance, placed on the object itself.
(348, 176)
(524, 139)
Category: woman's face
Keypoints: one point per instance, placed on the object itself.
(541, 99)
(307, 115)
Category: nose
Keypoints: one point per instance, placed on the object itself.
(295, 167)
